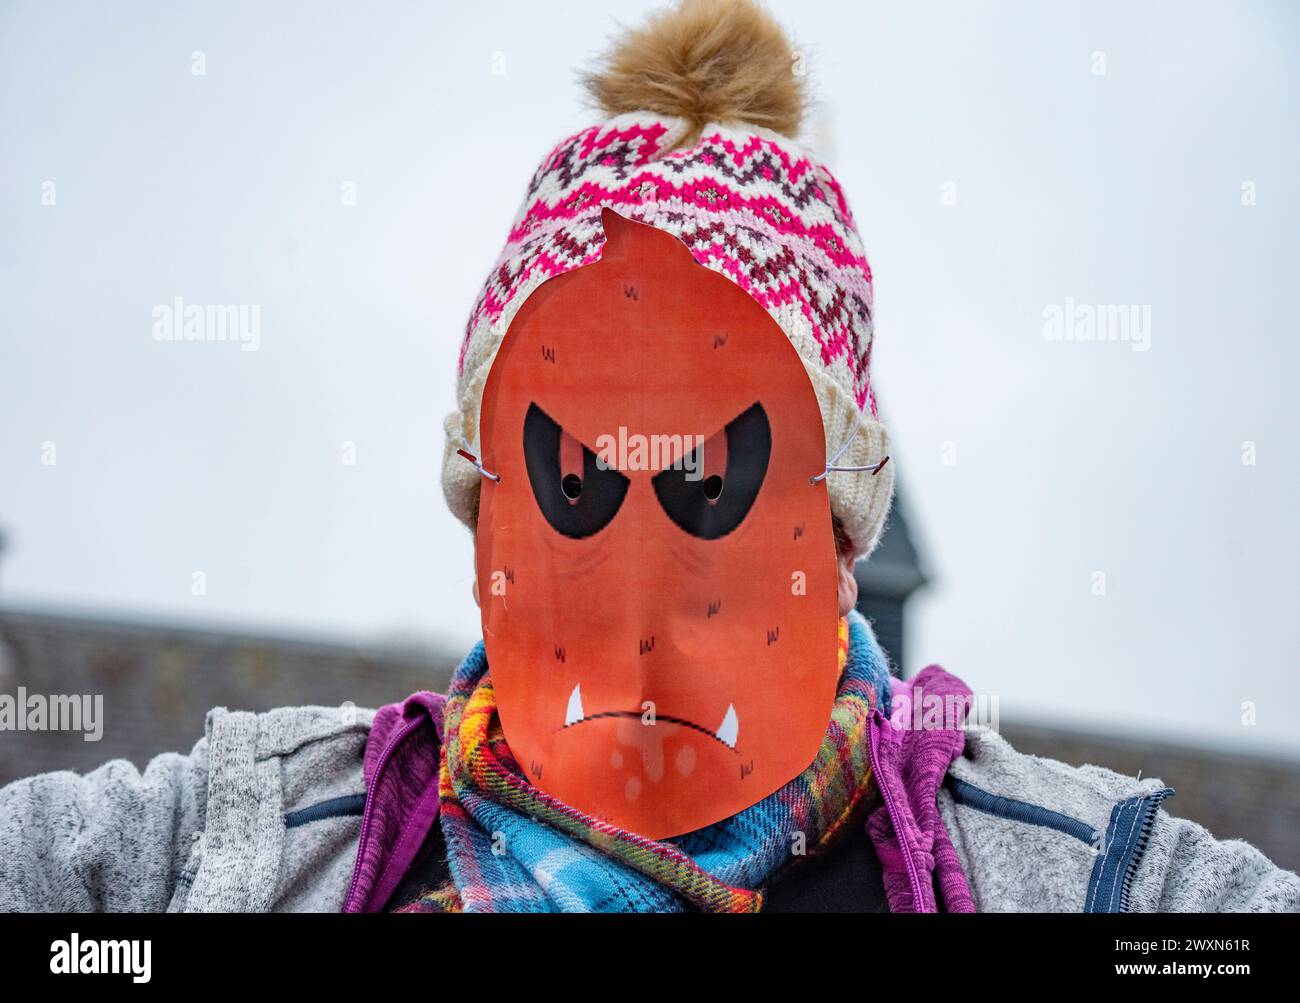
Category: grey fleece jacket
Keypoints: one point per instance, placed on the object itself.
(265, 814)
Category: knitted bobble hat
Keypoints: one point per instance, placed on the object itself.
(703, 102)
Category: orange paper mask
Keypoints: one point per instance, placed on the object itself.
(656, 571)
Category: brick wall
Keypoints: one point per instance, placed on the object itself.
(159, 683)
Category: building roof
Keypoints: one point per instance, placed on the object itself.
(894, 570)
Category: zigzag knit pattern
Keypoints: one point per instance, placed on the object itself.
(750, 205)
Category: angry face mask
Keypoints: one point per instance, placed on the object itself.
(656, 567)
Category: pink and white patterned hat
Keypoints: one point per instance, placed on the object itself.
(749, 203)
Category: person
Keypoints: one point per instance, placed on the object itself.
(668, 447)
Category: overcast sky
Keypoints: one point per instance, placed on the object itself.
(1002, 159)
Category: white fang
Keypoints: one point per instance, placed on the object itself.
(573, 713)
(729, 727)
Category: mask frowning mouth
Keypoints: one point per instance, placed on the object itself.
(726, 732)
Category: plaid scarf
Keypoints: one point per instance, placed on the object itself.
(513, 848)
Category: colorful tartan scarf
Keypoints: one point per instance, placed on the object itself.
(513, 848)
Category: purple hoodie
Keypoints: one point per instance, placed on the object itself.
(401, 774)
(910, 755)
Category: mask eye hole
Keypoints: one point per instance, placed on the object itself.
(736, 459)
(571, 462)
(575, 495)
(712, 466)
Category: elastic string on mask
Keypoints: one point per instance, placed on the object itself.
(831, 468)
(465, 452)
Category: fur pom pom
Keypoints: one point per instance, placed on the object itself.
(704, 61)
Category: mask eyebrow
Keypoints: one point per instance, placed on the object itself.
(564, 429)
(679, 445)
(722, 430)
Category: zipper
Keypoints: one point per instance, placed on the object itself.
(367, 815)
(873, 752)
(1149, 810)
